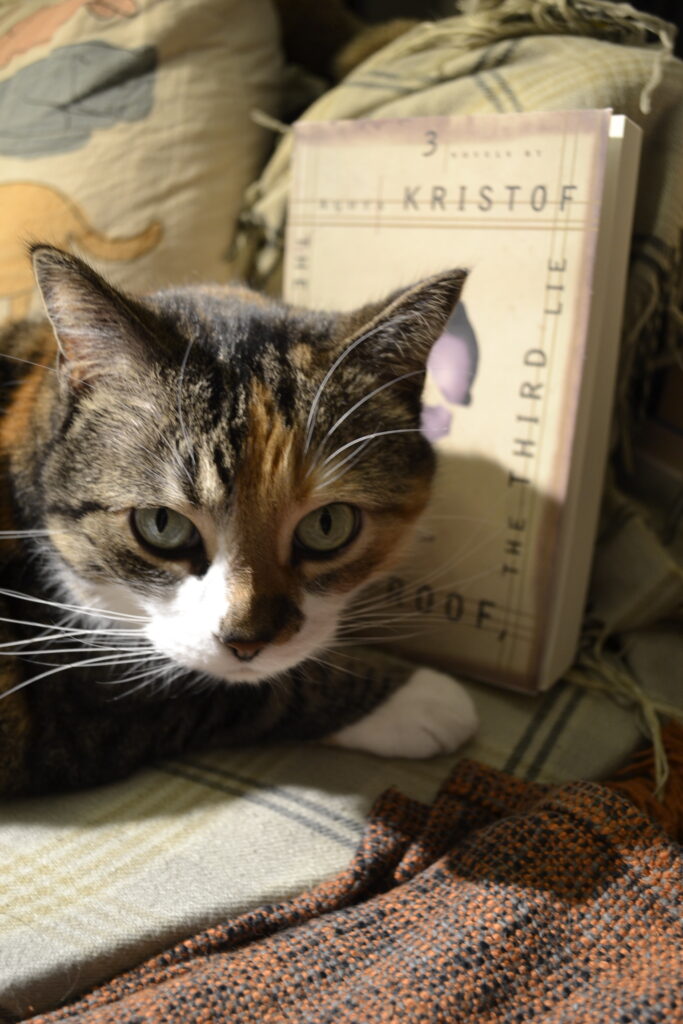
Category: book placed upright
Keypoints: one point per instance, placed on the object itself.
(519, 391)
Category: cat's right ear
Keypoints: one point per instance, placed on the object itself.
(98, 330)
(402, 329)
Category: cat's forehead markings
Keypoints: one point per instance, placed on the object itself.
(210, 490)
(301, 356)
(268, 474)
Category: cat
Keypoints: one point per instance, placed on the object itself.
(197, 487)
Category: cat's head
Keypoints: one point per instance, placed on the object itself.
(232, 469)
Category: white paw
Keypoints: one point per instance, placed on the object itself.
(430, 714)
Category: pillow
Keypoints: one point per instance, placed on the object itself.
(126, 134)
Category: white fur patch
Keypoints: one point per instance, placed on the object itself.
(183, 624)
(430, 714)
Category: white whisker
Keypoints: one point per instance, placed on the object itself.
(468, 551)
(19, 534)
(334, 473)
(370, 437)
(334, 666)
(155, 674)
(65, 631)
(62, 632)
(28, 362)
(310, 423)
(362, 401)
(84, 648)
(179, 396)
(103, 612)
(362, 639)
(459, 584)
(64, 668)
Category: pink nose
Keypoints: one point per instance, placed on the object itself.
(244, 651)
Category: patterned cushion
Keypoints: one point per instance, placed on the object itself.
(126, 134)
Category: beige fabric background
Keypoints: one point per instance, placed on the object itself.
(126, 134)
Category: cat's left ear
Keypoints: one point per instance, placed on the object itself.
(395, 336)
(98, 329)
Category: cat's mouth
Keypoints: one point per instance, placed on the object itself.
(189, 641)
(184, 633)
(221, 665)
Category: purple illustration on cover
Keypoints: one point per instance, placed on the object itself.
(453, 364)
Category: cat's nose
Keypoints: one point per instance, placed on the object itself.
(242, 649)
(245, 652)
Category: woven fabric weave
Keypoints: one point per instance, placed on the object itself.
(504, 901)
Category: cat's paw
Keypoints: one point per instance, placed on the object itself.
(430, 714)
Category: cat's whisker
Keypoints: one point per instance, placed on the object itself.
(48, 634)
(325, 663)
(387, 637)
(334, 474)
(179, 406)
(355, 632)
(313, 411)
(370, 437)
(362, 401)
(429, 516)
(21, 534)
(334, 666)
(340, 469)
(175, 454)
(332, 651)
(395, 604)
(18, 644)
(148, 677)
(375, 598)
(61, 632)
(87, 648)
(429, 624)
(64, 632)
(29, 362)
(146, 682)
(64, 668)
(114, 631)
(377, 619)
(389, 619)
(457, 585)
(79, 609)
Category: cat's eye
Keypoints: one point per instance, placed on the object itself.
(327, 529)
(164, 530)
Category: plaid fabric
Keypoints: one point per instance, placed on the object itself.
(504, 901)
(92, 883)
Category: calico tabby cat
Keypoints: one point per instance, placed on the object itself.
(195, 487)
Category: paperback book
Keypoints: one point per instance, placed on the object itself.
(518, 396)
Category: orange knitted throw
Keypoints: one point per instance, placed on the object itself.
(502, 902)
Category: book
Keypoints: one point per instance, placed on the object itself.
(519, 389)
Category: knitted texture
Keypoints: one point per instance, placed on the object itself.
(504, 901)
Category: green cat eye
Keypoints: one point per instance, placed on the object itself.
(164, 529)
(327, 529)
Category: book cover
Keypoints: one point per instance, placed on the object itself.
(517, 199)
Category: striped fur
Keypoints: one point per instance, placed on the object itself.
(219, 405)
